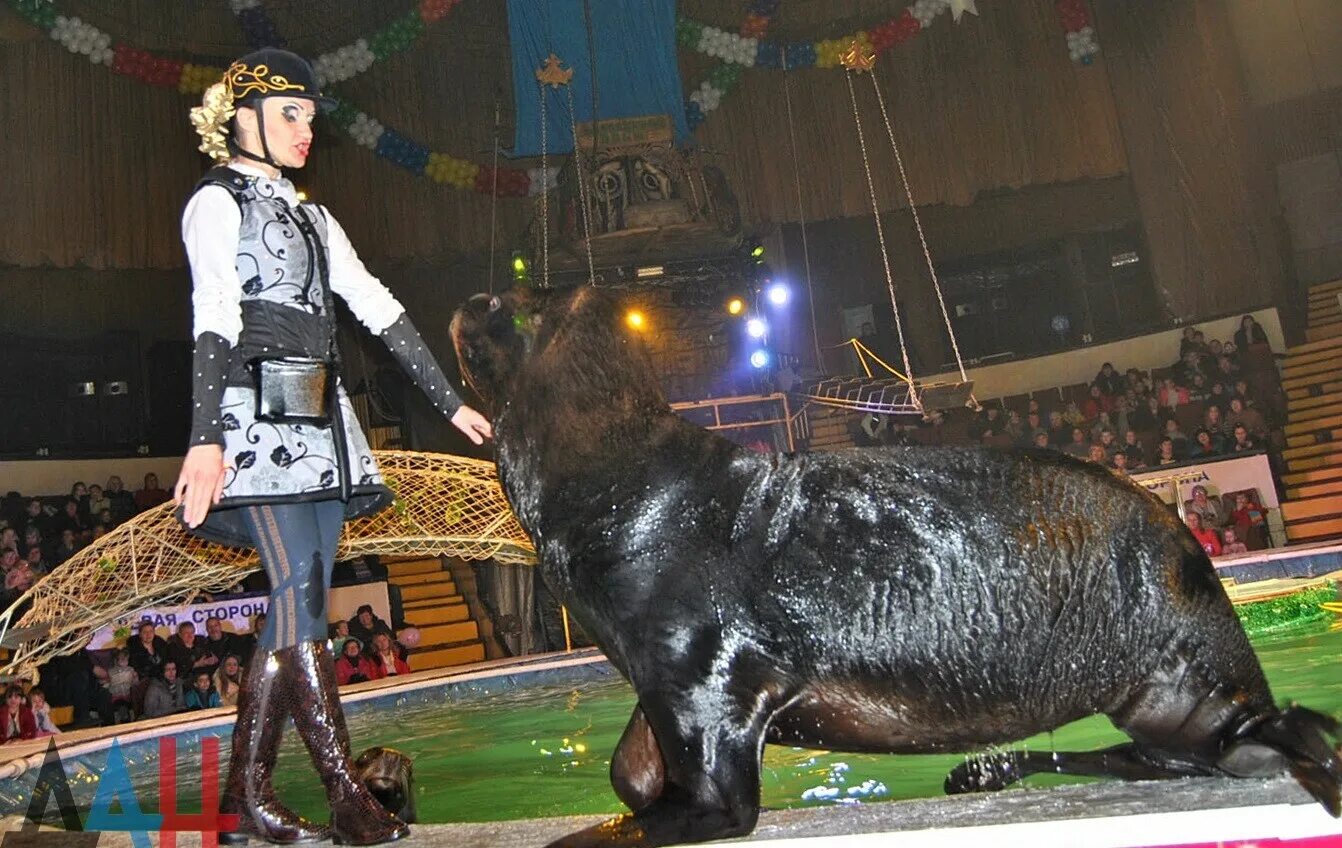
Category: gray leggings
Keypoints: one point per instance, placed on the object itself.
(297, 544)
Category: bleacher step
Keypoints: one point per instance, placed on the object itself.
(1312, 422)
(417, 579)
(1312, 508)
(1331, 365)
(1312, 437)
(1305, 463)
(1293, 359)
(414, 566)
(1324, 331)
(1330, 287)
(1314, 347)
(435, 589)
(430, 603)
(1304, 531)
(432, 616)
(1306, 451)
(1314, 490)
(1301, 404)
(448, 634)
(1317, 475)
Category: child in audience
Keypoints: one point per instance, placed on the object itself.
(1246, 513)
(1232, 545)
(37, 700)
(1208, 538)
(121, 680)
(202, 695)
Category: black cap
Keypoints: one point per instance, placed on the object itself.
(272, 72)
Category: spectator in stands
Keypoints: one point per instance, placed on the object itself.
(1171, 394)
(19, 578)
(68, 519)
(1097, 402)
(1118, 416)
(1189, 342)
(1078, 446)
(65, 548)
(190, 653)
(165, 694)
(1059, 433)
(1214, 423)
(37, 562)
(1226, 371)
(1132, 448)
(1232, 544)
(1251, 419)
(385, 661)
(1100, 424)
(96, 503)
(228, 680)
(121, 681)
(201, 695)
(1108, 444)
(1243, 441)
(9, 539)
(1015, 427)
(353, 666)
(37, 702)
(1186, 369)
(1167, 456)
(148, 652)
(1219, 395)
(1198, 391)
(987, 423)
(1175, 435)
(1250, 332)
(1097, 455)
(1208, 538)
(1208, 509)
(1204, 446)
(1041, 440)
(151, 495)
(32, 539)
(37, 517)
(99, 530)
(123, 503)
(365, 625)
(1109, 381)
(1119, 463)
(19, 722)
(1147, 417)
(218, 644)
(1072, 414)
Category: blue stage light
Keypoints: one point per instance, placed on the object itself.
(757, 327)
(779, 294)
(760, 358)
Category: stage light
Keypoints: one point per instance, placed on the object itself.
(757, 252)
(519, 266)
(736, 306)
(759, 359)
(635, 319)
(779, 294)
(757, 327)
(648, 272)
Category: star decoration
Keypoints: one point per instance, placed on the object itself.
(959, 7)
(552, 75)
(858, 58)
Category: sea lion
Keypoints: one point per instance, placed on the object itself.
(390, 776)
(902, 599)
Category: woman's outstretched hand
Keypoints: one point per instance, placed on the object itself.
(473, 424)
(200, 485)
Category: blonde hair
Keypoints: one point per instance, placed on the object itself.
(211, 119)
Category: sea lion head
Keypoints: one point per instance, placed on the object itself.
(568, 342)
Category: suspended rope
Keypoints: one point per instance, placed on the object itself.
(545, 199)
(494, 200)
(801, 213)
(855, 60)
(918, 225)
(583, 188)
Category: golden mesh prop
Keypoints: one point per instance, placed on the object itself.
(445, 506)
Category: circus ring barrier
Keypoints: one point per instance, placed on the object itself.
(444, 506)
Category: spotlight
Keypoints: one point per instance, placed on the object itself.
(736, 306)
(757, 252)
(757, 327)
(779, 294)
(519, 266)
(635, 319)
(760, 358)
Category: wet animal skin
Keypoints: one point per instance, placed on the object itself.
(903, 600)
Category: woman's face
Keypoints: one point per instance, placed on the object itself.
(151, 481)
(231, 666)
(1205, 440)
(288, 125)
(9, 558)
(351, 649)
(79, 490)
(381, 643)
(95, 491)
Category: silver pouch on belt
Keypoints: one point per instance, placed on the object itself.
(294, 390)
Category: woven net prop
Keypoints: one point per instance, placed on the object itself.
(445, 506)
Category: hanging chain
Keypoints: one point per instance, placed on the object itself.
(494, 201)
(918, 225)
(583, 188)
(801, 213)
(880, 235)
(545, 199)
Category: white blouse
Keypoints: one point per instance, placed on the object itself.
(210, 227)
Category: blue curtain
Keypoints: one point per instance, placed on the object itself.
(634, 42)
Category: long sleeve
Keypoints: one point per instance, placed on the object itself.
(379, 310)
(210, 233)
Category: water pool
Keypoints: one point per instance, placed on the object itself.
(538, 745)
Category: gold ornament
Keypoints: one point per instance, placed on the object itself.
(243, 80)
(211, 119)
(858, 57)
(552, 75)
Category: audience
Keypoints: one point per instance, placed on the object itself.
(37, 701)
(228, 680)
(201, 695)
(18, 720)
(165, 694)
(386, 663)
(1206, 536)
(353, 666)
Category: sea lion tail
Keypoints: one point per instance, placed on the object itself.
(1295, 739)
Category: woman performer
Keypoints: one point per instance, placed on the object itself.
(276, 458)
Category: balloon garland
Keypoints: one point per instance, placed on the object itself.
(726, 46)
(1081, 44)
(386, 143)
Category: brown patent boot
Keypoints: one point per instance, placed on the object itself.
(263, 710)
(357, 818)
